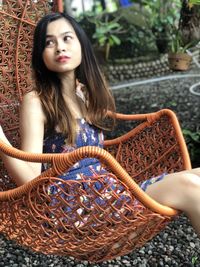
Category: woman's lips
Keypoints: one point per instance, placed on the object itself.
(62, 59)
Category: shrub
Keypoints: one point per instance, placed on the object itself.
(193, 144)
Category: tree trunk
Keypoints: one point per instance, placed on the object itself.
(189, 22)
(103, 4)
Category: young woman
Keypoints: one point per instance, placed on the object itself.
(67, 109)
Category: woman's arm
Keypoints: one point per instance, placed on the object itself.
(32, 134)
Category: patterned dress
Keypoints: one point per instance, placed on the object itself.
(105, 192)
(105, 188)
(88, 135)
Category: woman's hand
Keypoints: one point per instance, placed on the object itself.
(3, 137)
(1, 130)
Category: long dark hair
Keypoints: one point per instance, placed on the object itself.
(49, 87)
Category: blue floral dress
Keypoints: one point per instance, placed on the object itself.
(89, 135)
(89, 170)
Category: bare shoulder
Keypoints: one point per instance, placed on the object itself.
(31, 98)
(31, 104)
(32, 121)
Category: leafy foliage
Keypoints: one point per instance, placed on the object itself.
(191, 3)
(193, 143)
(177, 43)
(163, 14)
(107, 31)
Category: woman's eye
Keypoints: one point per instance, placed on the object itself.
(49, 43)
(67, 38)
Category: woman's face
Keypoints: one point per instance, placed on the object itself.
(62, 53)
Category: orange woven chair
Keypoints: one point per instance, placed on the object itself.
(77, 219)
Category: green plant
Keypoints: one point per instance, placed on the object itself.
(162, 16)
(177, 44)
(193, 143)
(194, 260)
(191, 3)
(107, 32)
(136, 38)
(132, 32)
(140, 38)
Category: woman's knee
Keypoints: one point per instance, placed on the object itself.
(176, 190)
(196, 171)
(189, 180)
(190, 195)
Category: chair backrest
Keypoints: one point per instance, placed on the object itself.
(17, 23)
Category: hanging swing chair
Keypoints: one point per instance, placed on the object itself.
(94, 218)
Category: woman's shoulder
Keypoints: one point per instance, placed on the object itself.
(31, 103)
(31, 99)
(31, 96)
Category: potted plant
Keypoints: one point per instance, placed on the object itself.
(178, 57)
(185, 36)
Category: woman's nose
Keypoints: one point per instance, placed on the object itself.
(61, 47)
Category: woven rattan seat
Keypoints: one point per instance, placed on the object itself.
(78, 220)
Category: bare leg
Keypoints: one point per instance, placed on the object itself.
(180, 191)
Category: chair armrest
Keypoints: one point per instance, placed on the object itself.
(61, 162)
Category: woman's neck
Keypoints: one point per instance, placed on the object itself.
(70, 97)
(68, 86)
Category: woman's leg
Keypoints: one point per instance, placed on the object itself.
(180, 191)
